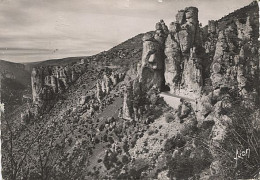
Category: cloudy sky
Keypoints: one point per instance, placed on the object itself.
(34, 30)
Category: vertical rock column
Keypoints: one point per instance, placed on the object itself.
(173, 62)
(127, 111)
(182, 66)
(37, 84)
(152, 69)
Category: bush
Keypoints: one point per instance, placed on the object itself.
(97, 140)
(125, 159)
(105, 138)
(102, 126)
(150, 132)
(169, 144)
(111, 140)
(169, 117)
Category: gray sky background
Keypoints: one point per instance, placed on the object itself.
(34, 30)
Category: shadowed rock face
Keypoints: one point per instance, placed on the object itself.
(152, 68)
(235, 58)
(173, 62)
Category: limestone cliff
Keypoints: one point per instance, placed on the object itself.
(186, 59)
(152, 67)
(47, 82)
(170, 57)
(183, 69)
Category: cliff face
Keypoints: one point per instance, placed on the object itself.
(47, 82)
(170, 56)
(152, 67)
(182, 66)
(185, 58)
(235, 61)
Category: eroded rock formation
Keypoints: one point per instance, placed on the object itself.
(152, 68)
(182, 66)
(107, 83)
(47, 82)
(234, 62)
(244, 29)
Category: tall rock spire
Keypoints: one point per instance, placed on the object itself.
(182, 65)
(152, 68)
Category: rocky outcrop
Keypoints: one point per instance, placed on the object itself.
(133, 104)
(127, 110)
(161, 32)
(99, 91)
(152, 68)
(244, 29)
(150, 73)
(171, 57)
(234, 61)
(47, 82)
(182, 66)
(107, 83)
(183, 60)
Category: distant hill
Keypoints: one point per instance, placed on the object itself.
(117, 54)
(15, 82)
(241, 14)
(15, 70)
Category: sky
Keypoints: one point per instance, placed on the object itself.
(36, 30)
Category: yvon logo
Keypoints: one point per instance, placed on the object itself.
(241, 154)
